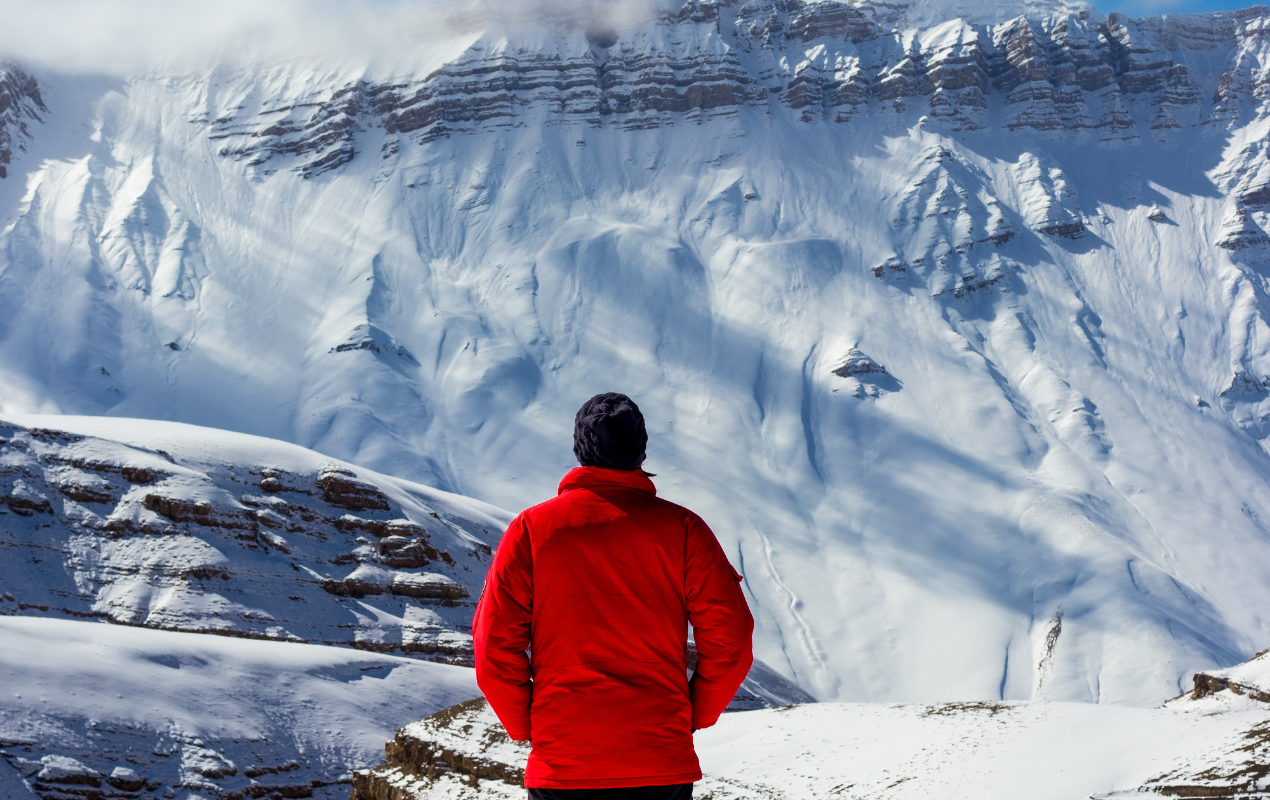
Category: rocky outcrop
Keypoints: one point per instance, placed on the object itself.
(21, 107)
(1205, 685)
(855, 363)
(319, 133)
(92, 528)
(1250, 679)
(462, 746)
(1240, 231)
(864, 376)
(950, 230)
(171, 761)
(341, 489)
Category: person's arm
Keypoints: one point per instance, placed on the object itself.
(721, 624)
(500, 632)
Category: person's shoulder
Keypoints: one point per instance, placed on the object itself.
(686, 515)
(546, 509)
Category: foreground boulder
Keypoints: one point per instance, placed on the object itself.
(460, 751)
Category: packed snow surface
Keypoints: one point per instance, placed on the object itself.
(1048, 751)
(953, 325)
(200, 714)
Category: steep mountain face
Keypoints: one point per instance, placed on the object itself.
(951, 322)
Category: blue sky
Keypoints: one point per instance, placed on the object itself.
(1143, 8)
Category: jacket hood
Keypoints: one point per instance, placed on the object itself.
(589, 477)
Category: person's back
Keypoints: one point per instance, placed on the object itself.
(599, 584)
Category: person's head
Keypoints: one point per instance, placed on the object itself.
(608, 431)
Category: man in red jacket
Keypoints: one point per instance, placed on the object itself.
(581, 632)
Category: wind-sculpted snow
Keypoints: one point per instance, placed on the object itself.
(98, 711)
(1048, 230)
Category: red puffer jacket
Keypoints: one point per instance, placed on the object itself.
(599, 584)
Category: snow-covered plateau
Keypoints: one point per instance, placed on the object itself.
(950, 318)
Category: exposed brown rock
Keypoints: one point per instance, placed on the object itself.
(421, 754)
(198, 513)
(26, 506)
(341, 489)
(85, 494)
(1068, 229)
(1204, 685)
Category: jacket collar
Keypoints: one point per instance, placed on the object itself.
(596, 477)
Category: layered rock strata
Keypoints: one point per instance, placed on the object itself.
(1069, 76)
(93, 528)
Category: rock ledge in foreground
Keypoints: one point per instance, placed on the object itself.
(461, 752)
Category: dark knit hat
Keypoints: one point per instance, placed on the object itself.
(609, 432)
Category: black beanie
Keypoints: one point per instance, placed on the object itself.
(609, 432)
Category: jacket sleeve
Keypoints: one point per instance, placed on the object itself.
(500, 632)
(721, 622)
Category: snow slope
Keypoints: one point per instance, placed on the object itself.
(1044, 231)
(92, 706)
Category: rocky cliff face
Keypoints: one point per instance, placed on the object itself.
(21, 109)
(461, 750)
(1068, 76)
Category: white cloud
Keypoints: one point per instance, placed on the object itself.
(123, 36)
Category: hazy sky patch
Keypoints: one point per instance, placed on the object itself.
(124, 36)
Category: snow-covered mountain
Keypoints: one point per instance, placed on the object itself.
(951, 321)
